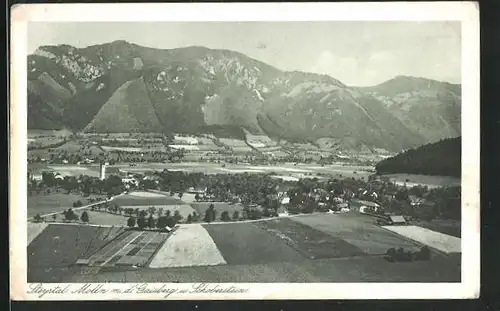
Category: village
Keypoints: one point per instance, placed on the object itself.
(261, 195)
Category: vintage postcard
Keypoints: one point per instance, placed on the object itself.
(244, 151)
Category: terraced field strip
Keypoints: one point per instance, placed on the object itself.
(142, 251)
(188, 246)
(105, 235)
(103, 254)
(357, 230)
(245, 243)
(122, 251)
(308, 241)
(440, 241)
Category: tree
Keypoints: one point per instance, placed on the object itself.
(177, 216)
(151, 222)
(38, 218)
(210, 213)
(236, 215)
(152, 210)
(131, 222)
(70, 215)
(141, 222)
(162, 222)
(224, 216)
(48, 179)
(84, 217)
(195, 216)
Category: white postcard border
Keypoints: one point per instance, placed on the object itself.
(466, 12)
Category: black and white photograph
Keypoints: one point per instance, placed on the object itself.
(244, 152)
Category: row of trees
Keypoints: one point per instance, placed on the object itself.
(152, 223)
(69, 215)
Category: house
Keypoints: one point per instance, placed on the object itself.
(397, 220)
(338, 200)
(414, 200)
(282, 212)
(343, 207)
(58, 176)
(368, 204)
(285, 201)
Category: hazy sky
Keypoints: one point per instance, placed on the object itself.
(356, 53)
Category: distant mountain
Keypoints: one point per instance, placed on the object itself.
(440, 158)
(427, 107)
(118, 86)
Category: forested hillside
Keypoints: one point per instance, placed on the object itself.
(441, 158)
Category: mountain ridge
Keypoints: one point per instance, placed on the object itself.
(192, 88)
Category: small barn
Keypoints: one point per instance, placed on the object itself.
(282, 212)
(397, 220)
(285, 201)
(343, 207)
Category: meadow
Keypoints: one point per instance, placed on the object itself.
(55, 202)
(357, 230)
(58, 247)
(245, 243)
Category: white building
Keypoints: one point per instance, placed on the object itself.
(286, 200)
(102, 171)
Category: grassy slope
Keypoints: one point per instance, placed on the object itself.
(128, 110)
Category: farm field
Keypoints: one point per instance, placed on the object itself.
(450, 227)
(106, 219)
(220, 207)
(359, 269)
(189, 245)
(443, 242)
(233, 252)
(131, 248)
(59, 246)
(34, 229)
(308, 241)
(245, 243)
(55, 202)
(133, 200)
(357, 230)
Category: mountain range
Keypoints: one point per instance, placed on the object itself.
(124, 87)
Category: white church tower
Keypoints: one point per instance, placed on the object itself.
(102, 171)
